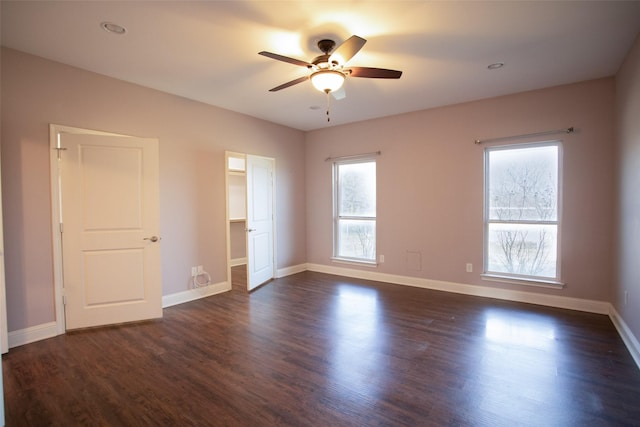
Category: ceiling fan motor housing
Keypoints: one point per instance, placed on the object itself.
(321, 62)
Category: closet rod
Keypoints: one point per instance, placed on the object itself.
(355, 156)
(549, 132)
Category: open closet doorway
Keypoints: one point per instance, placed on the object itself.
(250, 219)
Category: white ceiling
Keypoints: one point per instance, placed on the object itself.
(208, 50)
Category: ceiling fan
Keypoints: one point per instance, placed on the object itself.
(328, 71)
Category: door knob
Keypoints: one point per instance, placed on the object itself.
(153, 238)
(249, 229)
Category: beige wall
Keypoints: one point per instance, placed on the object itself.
(628, 184)
(193, 138)
(430, 184)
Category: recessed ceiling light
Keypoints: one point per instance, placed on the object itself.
(495, 65)
(113, 28)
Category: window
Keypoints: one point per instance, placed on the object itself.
(354, 207)
(522, 211)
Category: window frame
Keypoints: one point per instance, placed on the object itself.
(337, 217)
(514, 278)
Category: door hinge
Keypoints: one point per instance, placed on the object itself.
(61, 228)
(59, 149)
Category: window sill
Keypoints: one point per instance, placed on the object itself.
(540, 283)
(358, 262)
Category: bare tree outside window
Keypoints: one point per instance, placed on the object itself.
(355, 221)
(522, 210)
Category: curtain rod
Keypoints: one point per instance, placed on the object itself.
(354, 156)
(549, 132)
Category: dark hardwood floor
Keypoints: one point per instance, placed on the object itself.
(319, 350)
(239, 278)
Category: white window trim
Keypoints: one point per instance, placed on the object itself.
(335, 257)
(353, 261)
(539, 281)
(522, 280)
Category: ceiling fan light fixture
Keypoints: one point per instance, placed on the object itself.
(327, 80)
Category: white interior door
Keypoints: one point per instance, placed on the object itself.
(110, 229)
(260, 259)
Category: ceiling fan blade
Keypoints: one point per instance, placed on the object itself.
(285, 59)
(374, 73)
(347, 50)
(291, 83)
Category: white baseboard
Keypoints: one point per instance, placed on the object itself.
(33, 334)
(591, 306)
(288, 271)
(238, 261)
(627, 336)
(194, 294)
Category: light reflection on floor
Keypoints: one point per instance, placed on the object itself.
(525, 347)
(360, 334)
(511, 330)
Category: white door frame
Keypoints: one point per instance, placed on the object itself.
(228, 154)
(56, 218)
(4, 332)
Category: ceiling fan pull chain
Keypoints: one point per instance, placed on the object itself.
(328, 100)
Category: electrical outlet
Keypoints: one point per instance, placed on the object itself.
(381, 259)
(194, 271)
(469, 267)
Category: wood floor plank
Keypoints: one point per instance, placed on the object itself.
(315, 349)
